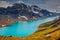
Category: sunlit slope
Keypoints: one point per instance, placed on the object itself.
(48, 31)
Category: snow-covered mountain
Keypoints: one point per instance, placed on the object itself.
(25, 12)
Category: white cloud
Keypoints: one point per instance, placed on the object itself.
(20, 1)
(51, 5)
(4, 4)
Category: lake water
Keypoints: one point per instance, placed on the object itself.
(23, 29)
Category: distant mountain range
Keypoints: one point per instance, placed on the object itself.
(23, 11)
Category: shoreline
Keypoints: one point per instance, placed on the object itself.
(40, 35)
(6, 22)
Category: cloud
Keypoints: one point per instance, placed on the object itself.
(51, 5)
(20, 1)
(4, 4)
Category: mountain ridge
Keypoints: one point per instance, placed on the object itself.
(23, 11)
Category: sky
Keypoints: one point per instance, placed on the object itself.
(51, 5)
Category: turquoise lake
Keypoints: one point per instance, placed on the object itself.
(23, 29)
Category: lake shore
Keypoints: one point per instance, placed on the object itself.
(36, 36)
(9, 21)
(53, 33)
